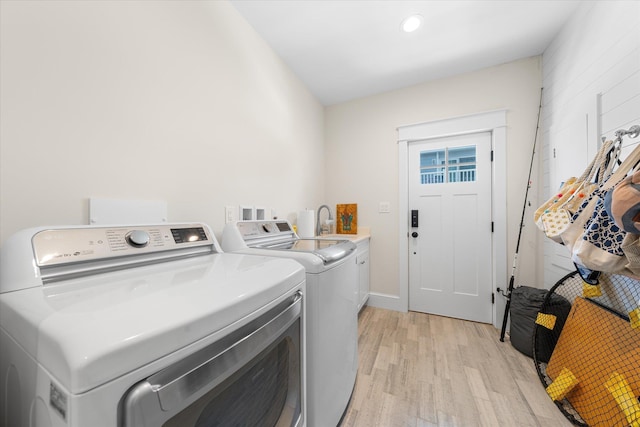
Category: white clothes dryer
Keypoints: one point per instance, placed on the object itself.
(147, 326)
(331, 308)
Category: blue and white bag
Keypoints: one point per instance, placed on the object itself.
(599, 246)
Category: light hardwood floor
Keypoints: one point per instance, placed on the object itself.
(423, 370)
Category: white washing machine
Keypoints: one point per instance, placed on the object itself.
(331, 308)
(147, 326)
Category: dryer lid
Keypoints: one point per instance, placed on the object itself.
(87, 331)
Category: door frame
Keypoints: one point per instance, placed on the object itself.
(494, 122)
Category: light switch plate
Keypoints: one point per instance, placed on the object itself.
(384, 207)
(230, 214)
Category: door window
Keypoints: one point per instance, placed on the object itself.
(451, 164)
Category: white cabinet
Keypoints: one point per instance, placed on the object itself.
(362, 259)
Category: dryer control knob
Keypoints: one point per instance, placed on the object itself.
(138, 238)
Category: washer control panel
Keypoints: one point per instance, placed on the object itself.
(138, 238)
(257, 229)
(70, 245)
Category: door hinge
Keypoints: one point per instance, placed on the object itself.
(493, 298)
(492, 155)
(492, 226)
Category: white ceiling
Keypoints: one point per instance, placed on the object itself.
(348, 49)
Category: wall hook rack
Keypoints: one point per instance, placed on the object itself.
(632, 132)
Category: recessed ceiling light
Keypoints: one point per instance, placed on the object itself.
(411, 23)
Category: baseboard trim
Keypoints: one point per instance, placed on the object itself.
(389, 302)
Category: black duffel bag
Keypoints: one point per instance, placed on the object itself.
(526, 302)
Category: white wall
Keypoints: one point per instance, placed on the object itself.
(156, 100)
(362, 155)
(596, 56)
(184, 102)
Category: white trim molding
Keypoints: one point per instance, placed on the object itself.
(386, 301)
(492, 121)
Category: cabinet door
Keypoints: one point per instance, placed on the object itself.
(362, 258)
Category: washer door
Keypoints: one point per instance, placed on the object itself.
(251, 377)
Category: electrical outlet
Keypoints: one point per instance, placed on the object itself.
(247, 213)
(384, 207)
(230, 214)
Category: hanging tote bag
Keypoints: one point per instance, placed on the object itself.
(557, 216)
(574, 231)
(623, 203)
(600, 245)
(556, 220)
(567, 189)
(609, 157)
(631, 249)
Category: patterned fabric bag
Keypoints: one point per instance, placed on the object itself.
(599, 247)
(555, 222)
(559, 210)
(631, 249)
(623, 203)
(567, 189)
(572, 233)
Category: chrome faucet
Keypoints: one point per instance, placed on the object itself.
(318, 226)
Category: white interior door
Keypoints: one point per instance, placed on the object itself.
(450, 248)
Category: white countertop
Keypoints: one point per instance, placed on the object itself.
(363, 234)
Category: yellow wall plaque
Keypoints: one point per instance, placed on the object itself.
(347, 219)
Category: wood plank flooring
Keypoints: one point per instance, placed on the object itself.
(421, 370)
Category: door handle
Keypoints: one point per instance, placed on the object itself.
(414, 234)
